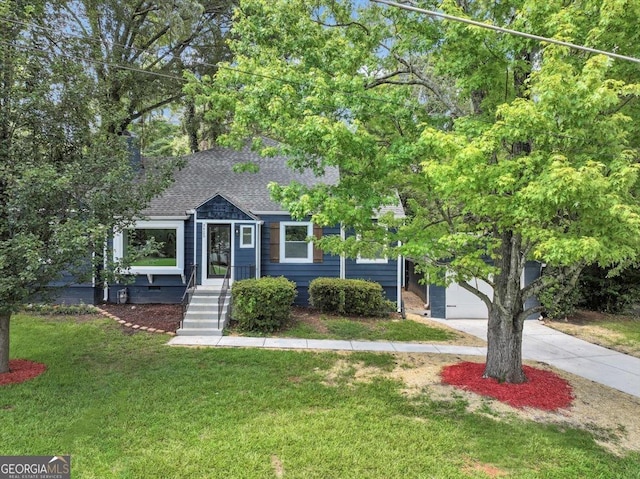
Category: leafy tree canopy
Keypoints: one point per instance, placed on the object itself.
(136, 51)
(504, 149)
(65, 180)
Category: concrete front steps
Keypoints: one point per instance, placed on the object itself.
(202, 315)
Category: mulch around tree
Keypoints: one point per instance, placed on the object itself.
(21, 370)
(543, 390)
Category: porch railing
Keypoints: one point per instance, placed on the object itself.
(188, 292)
(223, 294)
(240, 272)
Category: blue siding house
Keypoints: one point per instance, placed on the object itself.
(214, 223)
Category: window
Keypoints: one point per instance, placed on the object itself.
(165, 253)
(246, 236)
(294, 247)
(376, 257)
(168, 240)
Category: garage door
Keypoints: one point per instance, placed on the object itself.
(461, 304)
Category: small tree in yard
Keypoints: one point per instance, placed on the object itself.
(64, 183)
(503, 149)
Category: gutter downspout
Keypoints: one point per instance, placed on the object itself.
(343, 259)
(259, 248)
(105, 287)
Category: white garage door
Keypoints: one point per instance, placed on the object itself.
(461, 304)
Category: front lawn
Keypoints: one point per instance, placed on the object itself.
(128, 406)
(307, 323)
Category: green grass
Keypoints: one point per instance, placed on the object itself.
(155, 262)
(370, 330)
(128, 406)
(629, 329)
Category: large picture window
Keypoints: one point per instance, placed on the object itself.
(294, 247)
(166, 256)
(165, 252)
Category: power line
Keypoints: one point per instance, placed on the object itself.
(212, 65)
(93, 60)
(506, 30)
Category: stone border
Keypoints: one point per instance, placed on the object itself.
(137, 327)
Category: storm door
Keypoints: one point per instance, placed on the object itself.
(218, 250)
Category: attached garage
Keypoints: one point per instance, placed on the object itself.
(455, 302)
(461, 304)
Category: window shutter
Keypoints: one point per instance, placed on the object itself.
(317, 252)
(274, 242)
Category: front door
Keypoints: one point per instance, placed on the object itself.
(218, 252)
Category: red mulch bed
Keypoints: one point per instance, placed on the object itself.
(543, 390)
(21, 370)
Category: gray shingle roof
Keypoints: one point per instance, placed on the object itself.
(210, 172)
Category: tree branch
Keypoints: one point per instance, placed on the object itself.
(485, 299)
(150, 42)
(135, 115)
(348, 24)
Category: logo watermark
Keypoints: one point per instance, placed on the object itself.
(35, 467)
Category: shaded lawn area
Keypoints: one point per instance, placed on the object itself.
(307, 323)
(128, 406)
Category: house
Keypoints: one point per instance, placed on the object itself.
(214, 223)
(455, 302)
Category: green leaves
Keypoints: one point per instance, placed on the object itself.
(499, 146)
(64, 181)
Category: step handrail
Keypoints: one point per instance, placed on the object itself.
(188, 292)
(223, 293)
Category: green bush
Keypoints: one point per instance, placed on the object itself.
(349, 296)
(262, 304)
(558, 298)
(601, 291)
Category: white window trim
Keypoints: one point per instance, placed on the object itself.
(283, 258)
(118, 247)
(252, 236)
(361, 260)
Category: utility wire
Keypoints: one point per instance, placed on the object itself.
(93, 60)
(506, 30)
(212, 65)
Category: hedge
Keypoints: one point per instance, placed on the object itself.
(349, 296)
(263, 304)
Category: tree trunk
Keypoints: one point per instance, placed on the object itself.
(504, 334)
(191, 125)
(4, 341)
(504, 348)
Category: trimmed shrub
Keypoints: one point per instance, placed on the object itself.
(349, 296)
(263, 304)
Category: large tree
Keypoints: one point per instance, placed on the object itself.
(137, 51)
(65, 179)
(505, 149)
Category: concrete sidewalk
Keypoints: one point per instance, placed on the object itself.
(540, 343)
(547, 345)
